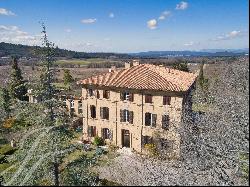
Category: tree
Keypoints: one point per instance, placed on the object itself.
(5, 101)
(46, 89)
(181, 66)
(203, 82)
(67, 77)
(17, 85)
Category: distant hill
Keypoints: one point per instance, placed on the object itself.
(8, 49)
(206, 52)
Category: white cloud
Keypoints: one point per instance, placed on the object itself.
(106, 39)
(68, 30)
(189, 43)
(13, 34)
(152, 24)
(111, 15)
(231, 35)
(88, 21)
(164, 15)
(6, 12)
(182, 6)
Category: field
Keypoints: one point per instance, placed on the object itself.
(82, 63)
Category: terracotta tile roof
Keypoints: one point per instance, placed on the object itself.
(146, 77)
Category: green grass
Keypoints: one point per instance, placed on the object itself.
(61, 85)
(80, 62)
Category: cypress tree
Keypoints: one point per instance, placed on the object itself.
(5, 102)
(17, 86)
(46, 89)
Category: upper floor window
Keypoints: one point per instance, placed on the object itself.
(104, 113)
(126, 116)
(106, 94)
(166, 100)
(148, 98)
(126, 96)
(91, 131)
(150, 119)
(91, 92)
(72, 104)
(93, 111)
(165, 122)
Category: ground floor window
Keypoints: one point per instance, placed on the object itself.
(146, 140)
(106, 133)
(91, 131)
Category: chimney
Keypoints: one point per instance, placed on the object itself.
(127, 65)
(112, 69)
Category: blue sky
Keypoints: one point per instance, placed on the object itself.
(128, 25)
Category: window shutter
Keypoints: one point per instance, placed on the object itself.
(107, 113)
(108, 94)
(89, 131)
(168, 100)
(121, 116)
(131, 117)
(94, 131)
(101, 112)
(143, 141)
(102, 131)
(97, 94)
(147, 119)
(121, 96)
(131, 97)
(154, 116)
(111, 135)
(94, 111)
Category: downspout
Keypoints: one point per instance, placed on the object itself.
(116, 123)
(142, 118)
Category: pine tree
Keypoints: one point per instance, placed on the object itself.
(67, 77)
(17, 85)
(5, 102)
(46, 88)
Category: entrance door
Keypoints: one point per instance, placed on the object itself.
(125, 138)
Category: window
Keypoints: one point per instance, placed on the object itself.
(150, 119)
(79, 107)
(106, 94)
(93, 111)
(147, 140)
(166, 100)
(126, 96)
(104, 113)
(106, 133)
(91, 131)
(148, 98)
(126, 116)
(72, 103)
(165, 122)
(91, 92)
